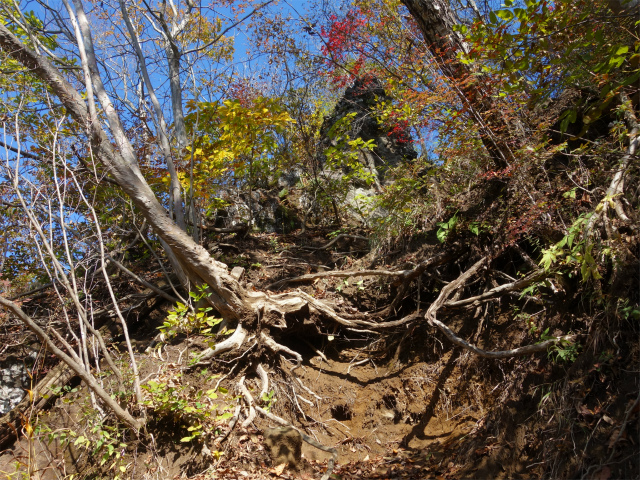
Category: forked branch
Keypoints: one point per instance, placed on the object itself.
(122, 414)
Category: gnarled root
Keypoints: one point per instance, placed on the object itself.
(526, 350)
(252, 406)
(443, 302)
(264, 379)
(250, 402)
(276, 348)
(232, 343)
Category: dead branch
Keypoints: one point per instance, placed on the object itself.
(338, 274)
(31, 292)
(616, 187)
(342, 235)
(123, 415)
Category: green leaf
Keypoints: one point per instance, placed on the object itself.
(622, 50)
(505, 14)
(631, 80)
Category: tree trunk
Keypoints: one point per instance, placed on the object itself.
(436, 20)
(231, 300)
(173, 61)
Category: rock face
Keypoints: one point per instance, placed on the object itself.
(282, 208)
(393, 142)
(13, 381)
(269, 211)
(285, 445)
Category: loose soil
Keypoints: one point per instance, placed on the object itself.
(404, 405)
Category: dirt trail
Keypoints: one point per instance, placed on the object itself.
(403, 405)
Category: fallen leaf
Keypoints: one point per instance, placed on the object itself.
(279, 469)
(583, 410)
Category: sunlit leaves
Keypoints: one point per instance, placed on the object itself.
(543, 48)
(236, 138)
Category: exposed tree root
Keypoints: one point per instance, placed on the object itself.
(264, 379)
(277, 348)
(499, 290)
(526, 350)
(456, 286)
(232, 343)
(339, 237)
(251, 402)
(338, 274)
(414, 273)
(407, 275)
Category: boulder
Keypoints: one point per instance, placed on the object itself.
(285, 445)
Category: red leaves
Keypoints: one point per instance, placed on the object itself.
(399, 131)
(340, 38)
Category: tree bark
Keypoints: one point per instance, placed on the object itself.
(436, 20)
(231, 300)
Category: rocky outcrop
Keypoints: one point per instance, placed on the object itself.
(13, 382)
(267, 210)
(393, 141)
(284, 207)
